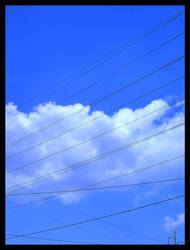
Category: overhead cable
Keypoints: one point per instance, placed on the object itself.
(97, 218)
(118, 50)
(94, 119)
(100, 99)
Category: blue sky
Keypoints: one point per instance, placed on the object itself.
(47, 45)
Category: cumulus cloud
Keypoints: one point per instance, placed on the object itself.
(149, 152)
(171, 223)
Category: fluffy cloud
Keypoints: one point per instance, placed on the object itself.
(149, 152)
(171, 223)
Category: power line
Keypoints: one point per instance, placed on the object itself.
(102, 98)
(50, 239)
(111, 224)
(120, 69)
(91, 138)
(118, 227)
(142, 36)
(123, 47)
(56, 219)
(93, 159)
(81, 242)
(85, 123)
(97, 218)
(121, 228)
(108, 180)
(98, 188)
(37, 237)
(76, 211)
(60, 219)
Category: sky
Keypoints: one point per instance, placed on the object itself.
(66, 66)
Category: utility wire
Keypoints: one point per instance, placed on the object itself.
(85, 123)
(114, 225)
(123, 47)
(33, 237)
(56, 219)
(94, 137)
(60, 219)
(87, 162)
(139, 38)
(106, 180)
(120, 227)
(98, 188)
(93, 159)
(102, 98)
(50, 239)
(97, 218)
(120, 69)
(110, 224)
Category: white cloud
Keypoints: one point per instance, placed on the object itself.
(171, 223)
(149, 152)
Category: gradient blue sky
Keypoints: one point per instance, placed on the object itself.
(45, 45)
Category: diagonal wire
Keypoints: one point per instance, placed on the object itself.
(142, 36)
(56, 219)
(123, 47)
(117, 226)
(98, 188)
(118, 70)
(97, 218)
(34, 237)
(103, 221)
(111, 224)
(102, 98)
(94, 119)
(92, 138)
(93, 159)
(50, 239)
(106, 180)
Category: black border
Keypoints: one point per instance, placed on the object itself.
(83, 3)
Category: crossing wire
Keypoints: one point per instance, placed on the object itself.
(122, 48)
(56, 219)
(93, 159)
(98, 188)
(102, 98)
(110, 224)
(114, 225)
(106, 180)
(68, 207)
(87, 162)
(94, 119)
(50, 239)
(98, 218)
(94, 137)
(118, 70)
